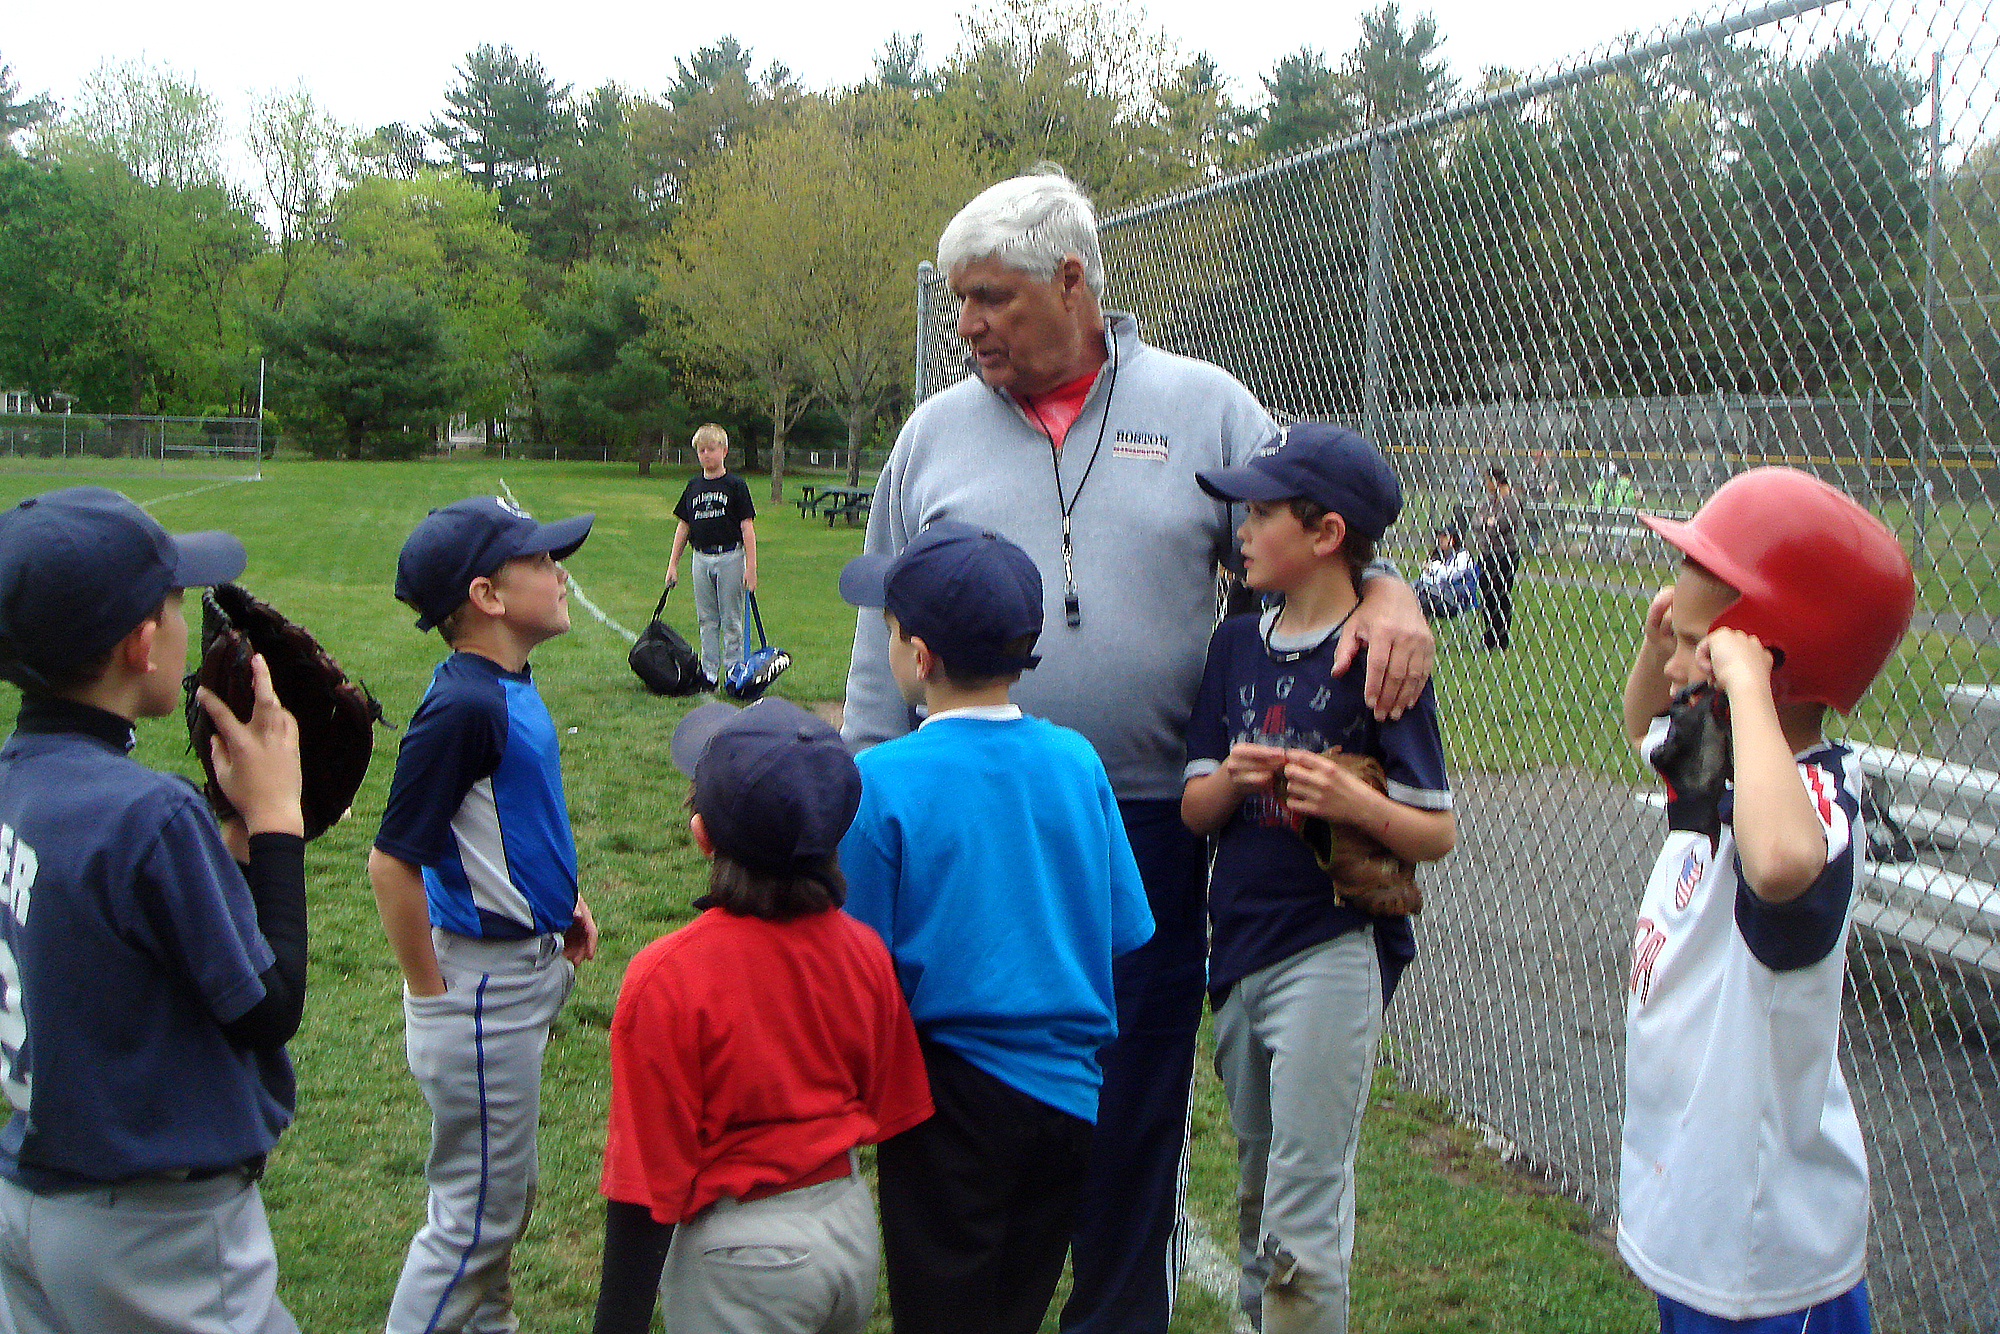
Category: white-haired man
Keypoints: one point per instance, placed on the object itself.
(1080, 443)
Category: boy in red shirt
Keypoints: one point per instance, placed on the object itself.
(751, 1050)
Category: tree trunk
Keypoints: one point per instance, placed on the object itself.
(858, 422)
(780, 392)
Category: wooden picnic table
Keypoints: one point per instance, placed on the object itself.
(834, 502)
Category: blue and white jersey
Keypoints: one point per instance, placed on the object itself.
(1743, 1185)
(1267, 897)
(128, 938)
(477, 804)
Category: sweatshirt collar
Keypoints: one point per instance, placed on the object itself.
(51, 714)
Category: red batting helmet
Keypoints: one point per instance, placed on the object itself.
(1818, 577)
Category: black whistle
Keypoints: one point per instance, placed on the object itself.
(1074, 610)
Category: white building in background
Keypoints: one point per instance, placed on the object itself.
(21, 402)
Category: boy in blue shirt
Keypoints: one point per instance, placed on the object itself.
(989, 853)
(152, 966)
(474, 873)
(1298, 977)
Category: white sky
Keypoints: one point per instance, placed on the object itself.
(373, 61)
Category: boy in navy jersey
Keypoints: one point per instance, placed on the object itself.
(717, 518)
(1298, 978)
(1743, 1184)
(148, 984)
(474, 873)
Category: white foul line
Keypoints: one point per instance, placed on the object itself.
(183, 495)
(576, 591)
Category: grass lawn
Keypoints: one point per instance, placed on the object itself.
(1449, 1238)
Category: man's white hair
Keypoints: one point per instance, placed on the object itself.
(1029, 224)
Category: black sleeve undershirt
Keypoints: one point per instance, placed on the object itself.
(635, 1251)
(277, 879)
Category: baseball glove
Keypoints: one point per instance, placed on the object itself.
(1365, 874)
(336, 716)
(1696, 759)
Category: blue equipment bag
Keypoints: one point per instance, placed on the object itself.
(751, 677)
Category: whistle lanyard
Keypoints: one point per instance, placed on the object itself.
(1072, 608)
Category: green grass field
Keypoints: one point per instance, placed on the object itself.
(1449, 1239)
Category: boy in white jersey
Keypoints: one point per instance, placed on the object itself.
(1743, 1191)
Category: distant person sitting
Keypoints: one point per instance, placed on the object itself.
(1449, 584)
(716, 517)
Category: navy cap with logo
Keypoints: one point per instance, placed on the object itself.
(80, 567)
(774, 785)
(470, 539)
(1328, 465)
(965, 591)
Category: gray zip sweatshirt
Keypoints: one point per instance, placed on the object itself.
(1146, 540)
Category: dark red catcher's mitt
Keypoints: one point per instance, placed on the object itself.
(336, 716)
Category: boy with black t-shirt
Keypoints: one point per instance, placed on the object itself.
(716, 513)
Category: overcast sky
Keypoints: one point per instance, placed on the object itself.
(374, 61)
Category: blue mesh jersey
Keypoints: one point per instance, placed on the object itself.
(1267, 897)
(129, 938)
(477, 804)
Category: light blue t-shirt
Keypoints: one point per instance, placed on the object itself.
(989, 854)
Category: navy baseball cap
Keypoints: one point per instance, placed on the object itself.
(1328, 465)
(471, 538)
(965, 591)
(80, 567)
(774, 785)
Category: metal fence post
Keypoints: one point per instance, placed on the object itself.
(924, 271)
(1381, 273)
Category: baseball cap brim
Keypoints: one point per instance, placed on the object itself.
(864, 581)
(1243, 483)
(694, 732)
(560, 539)
(202, 560)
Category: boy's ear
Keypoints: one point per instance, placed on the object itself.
(927, 661)
(1328, 534)
(701, 838)
(135, 651)
(484, 597)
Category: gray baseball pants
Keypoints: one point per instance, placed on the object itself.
(190, 1257)
(1295, 1048)
(476, 1052)
(800, 1262)
(718, 609)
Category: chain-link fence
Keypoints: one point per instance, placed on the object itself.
(102, 445)
(1772, 236)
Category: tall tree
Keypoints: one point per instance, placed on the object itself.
(16, 114)
(605, 381)
(507, 124)
(1394, 72)
(899, 65)
(438, 237)
(361, 369)
(301, 153)
(713, 103)
(1205, 126)
(1306, 103)
(395, 150)
(1828, 175)
(1067, 81)
(55, 270)
(146, 145)
(797, 256)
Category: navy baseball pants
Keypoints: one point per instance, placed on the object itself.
(1125, 1253)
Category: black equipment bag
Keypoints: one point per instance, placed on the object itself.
(665, 662)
